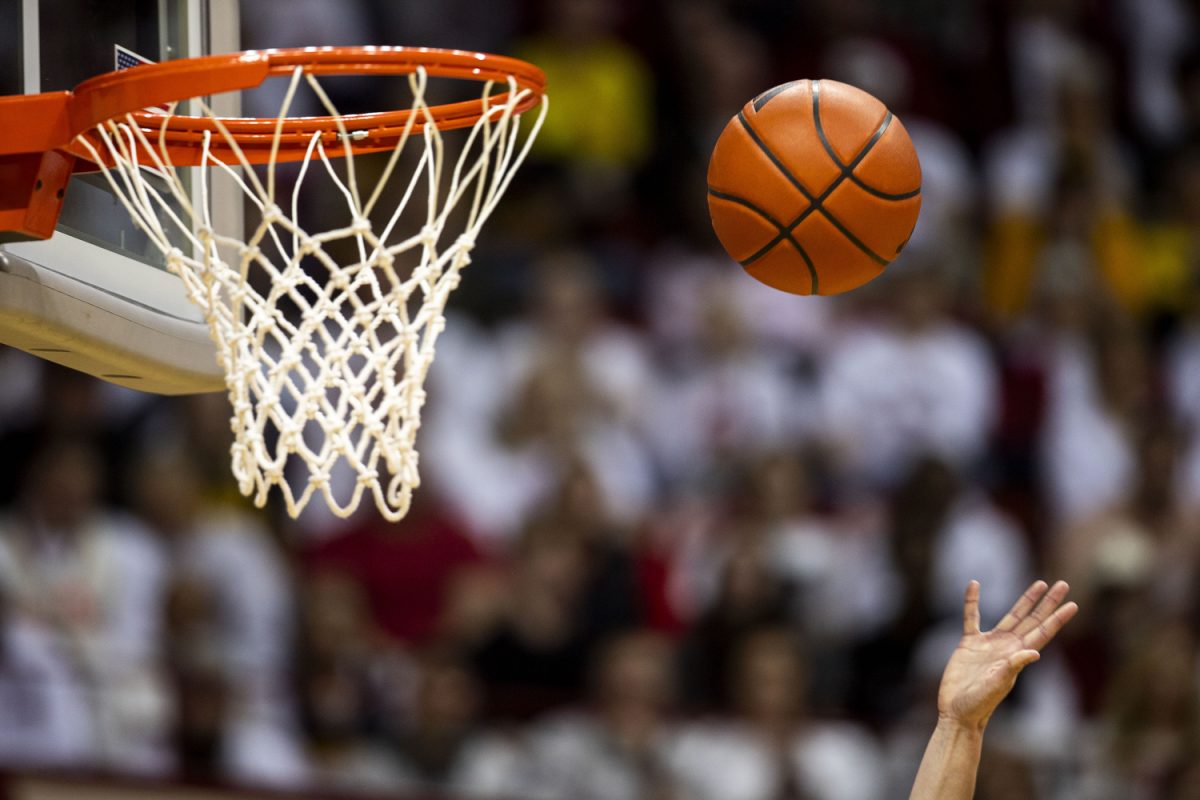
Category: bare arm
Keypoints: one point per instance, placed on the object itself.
(980, 674)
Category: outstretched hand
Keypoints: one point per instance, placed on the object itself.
(985, 666)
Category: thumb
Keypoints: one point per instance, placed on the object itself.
(1022, 659)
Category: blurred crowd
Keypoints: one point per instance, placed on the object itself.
(680, 535)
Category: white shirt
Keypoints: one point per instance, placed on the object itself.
(92, 602)
(1087, 457)
(980, 542)
(718, 407)
(232, 554)
(887, 396)
(46, 719)
(729, 761)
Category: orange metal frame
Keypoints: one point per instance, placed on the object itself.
(39, 147)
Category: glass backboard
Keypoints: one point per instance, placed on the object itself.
(96, 296)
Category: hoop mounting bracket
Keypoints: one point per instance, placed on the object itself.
(32, 187)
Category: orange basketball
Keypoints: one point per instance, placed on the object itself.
(814, 187)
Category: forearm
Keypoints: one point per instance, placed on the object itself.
(951, 760)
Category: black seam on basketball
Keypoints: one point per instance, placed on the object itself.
(815, 204)
(845, 173)
(848, 169)
(883, 195)
(766, 248)
(761, 101)
(785, 234)
(741, 201)
(774, 159)
(812, 268)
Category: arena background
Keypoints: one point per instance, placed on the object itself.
(680, 535)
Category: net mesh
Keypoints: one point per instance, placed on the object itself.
(325, 357)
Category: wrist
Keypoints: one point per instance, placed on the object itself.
(956, 725)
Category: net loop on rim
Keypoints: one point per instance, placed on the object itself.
(325, 359)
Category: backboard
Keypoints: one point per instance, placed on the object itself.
(96, 296)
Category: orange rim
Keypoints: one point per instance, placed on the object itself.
(115, 94)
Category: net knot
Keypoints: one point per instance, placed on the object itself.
(429, 236)
(290, 440)
(272, 214)
(309, 245)
(286, 364)
(174, 257)
(361, 226)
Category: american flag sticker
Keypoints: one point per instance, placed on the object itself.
(125, 59)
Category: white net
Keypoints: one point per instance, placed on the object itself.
(325, 359)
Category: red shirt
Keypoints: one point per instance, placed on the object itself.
(403, 567)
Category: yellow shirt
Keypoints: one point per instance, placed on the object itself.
(600, 102)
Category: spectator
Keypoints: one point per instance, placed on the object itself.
(443, 746)
(1058, 192)
(725, 397)
(231, 555)
(915, 382)
(1154, 708)
(604, 122)
(750, 596)
(536, 658)
(1159, 34)
(778, 748)
(46, 713)
(86, 583)
(560, 388)
(618, 748)
(341, 701)
(403, 568)
(340, 755)
(212, 742)
(1099, 397)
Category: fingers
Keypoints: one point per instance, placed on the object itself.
(1041, 635)
(1041, 613)
(1022, 607)
(971, 609)
(1022, 659)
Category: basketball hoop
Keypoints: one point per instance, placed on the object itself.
(339, 384)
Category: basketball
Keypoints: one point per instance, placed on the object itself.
(814, 187)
